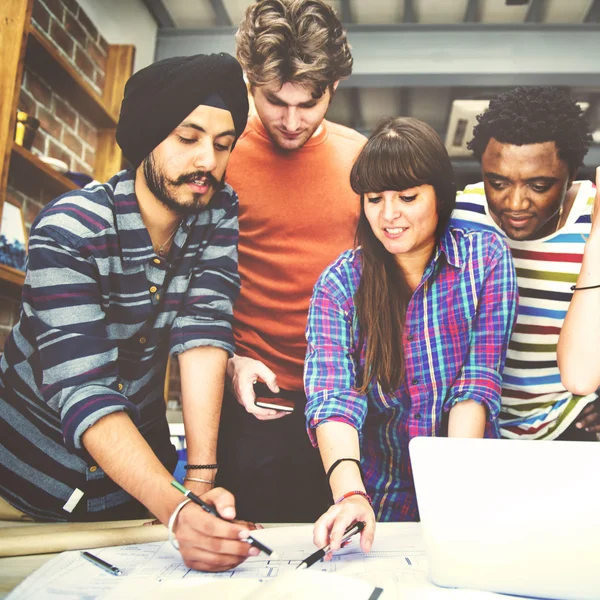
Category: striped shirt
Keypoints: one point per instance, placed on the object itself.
(101, 312)
(535, 405)
(458, 323)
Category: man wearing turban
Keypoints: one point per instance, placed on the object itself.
(119, 276)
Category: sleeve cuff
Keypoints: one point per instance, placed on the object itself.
(86, 407)
(188, 333)
(484, 386)
(314, 423)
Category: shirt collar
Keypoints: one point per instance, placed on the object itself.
(447, 246)
(134, 239)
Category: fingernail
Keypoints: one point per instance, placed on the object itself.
(272, 412)
(578, 425)
(253, 551)
(258, 526)
(243, 535)
(228, 512)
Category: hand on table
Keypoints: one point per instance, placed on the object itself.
(330, 527)
(589, 419)
(208, 543)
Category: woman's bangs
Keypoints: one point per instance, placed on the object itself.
(387, 164)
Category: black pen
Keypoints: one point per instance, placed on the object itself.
(213, 511)
(319, 554)
(101, 563)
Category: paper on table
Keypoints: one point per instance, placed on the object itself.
(396, 563)
(58, 537)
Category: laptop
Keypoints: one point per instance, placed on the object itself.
(518, 517)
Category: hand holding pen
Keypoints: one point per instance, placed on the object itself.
(210, 544)
(213, 511)
(315, 557)
(330, 528)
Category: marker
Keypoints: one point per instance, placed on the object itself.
(319, 554)
(102, 564)
(213, 511)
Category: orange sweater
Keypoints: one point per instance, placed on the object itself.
(297, 214)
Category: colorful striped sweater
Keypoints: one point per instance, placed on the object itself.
(535, 405)
(101, 312)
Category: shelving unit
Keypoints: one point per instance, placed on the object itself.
(22, 44)
(28, 163)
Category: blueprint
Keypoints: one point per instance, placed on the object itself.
(396, 563)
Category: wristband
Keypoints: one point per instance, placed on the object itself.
(341, 460)
(188, 467)
(356, 493)
(171, 524)
(587, 287)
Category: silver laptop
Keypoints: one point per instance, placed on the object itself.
(519, 517)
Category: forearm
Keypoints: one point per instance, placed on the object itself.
(117, 446)
(202, 380)
(339, 440)
(467, 420)
(578, 358)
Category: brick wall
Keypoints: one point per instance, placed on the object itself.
(63, 132)
(67, 26)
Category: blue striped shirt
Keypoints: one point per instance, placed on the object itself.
(458, 323)
(101, 312)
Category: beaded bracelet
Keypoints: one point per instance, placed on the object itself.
(188, 467)
(341, 460)
(171, 524)
(355, 493)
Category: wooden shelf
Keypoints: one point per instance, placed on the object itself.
(12, 275)
(45, 59)
(31, 166)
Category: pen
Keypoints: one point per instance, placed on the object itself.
(213, 511)
(101, 563)
(319, 554)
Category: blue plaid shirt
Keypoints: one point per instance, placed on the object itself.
(458, 324)
(101, 312)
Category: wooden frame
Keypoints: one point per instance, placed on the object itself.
(23, 44)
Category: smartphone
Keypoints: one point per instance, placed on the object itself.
(265, 398)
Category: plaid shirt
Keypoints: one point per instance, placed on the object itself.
(101, 313)
(458, 324)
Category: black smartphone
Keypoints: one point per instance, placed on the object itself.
(265, 398)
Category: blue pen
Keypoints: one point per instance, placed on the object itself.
(102, 564)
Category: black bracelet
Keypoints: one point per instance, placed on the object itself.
(588, 287)
(341, 460)
(188, 467)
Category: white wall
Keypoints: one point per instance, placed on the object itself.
(125, 22)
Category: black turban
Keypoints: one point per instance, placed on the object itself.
(159, 97)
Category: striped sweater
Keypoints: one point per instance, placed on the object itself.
(100, 314)
(535, 405)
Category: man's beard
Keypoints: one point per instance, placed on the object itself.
(158, 183)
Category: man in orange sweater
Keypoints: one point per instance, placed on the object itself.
(291, 170)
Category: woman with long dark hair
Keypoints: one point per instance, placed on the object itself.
(407, 333)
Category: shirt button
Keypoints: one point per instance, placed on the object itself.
(142, 340)
(153, 289)
(93, 469)
(156, 261)
(120, 387)
(415, 381)
(410, 338)
(418, 416)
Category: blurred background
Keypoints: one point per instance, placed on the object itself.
(426, 58)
